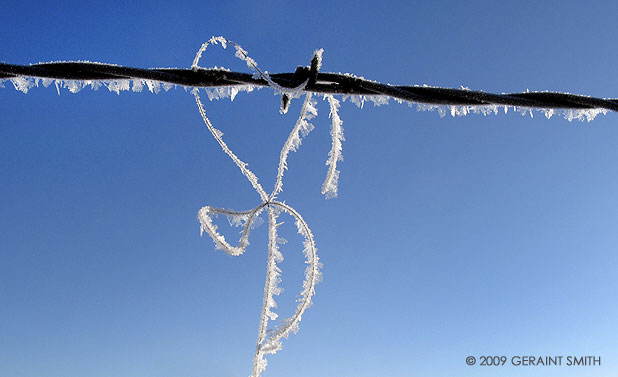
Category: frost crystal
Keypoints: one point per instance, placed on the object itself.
(228, 91)
(23, 84)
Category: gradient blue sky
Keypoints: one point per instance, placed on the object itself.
(476, 235)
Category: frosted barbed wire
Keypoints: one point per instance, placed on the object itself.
(582, 115)
(223, 83)
(292, 84)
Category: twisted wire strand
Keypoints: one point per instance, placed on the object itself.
(326, 83)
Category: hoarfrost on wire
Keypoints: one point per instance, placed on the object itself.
(25, 83)
(463, 110)
(269, 340)
(582, 115)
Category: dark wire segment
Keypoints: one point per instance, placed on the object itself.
(327, 83)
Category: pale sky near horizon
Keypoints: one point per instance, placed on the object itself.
(451, 236)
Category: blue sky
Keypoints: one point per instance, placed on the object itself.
(451, 237)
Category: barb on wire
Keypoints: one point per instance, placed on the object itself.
(307, 80)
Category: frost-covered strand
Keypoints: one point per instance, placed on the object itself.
(312, 277)
(205, 216)
(241, 165)
(213, 40)
(300, 130)
(271, 288)
(241, 54)
(271, 344)
(329, 188)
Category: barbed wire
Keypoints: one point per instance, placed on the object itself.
(326, 83)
